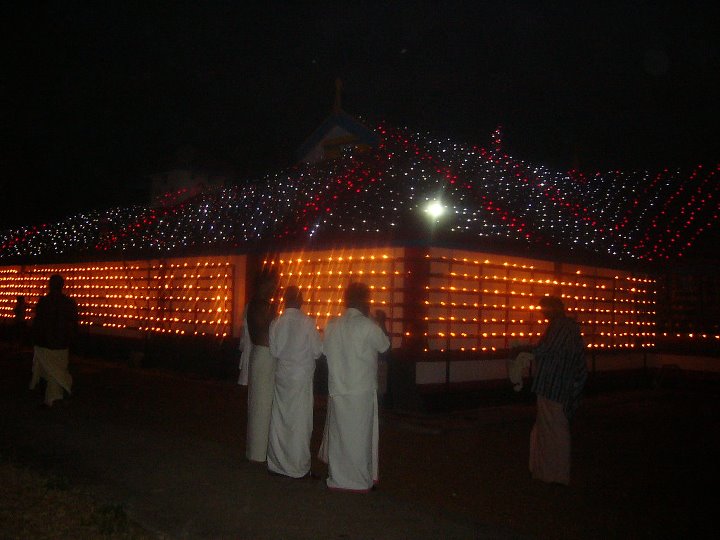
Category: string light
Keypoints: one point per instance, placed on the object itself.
(474, 302)
(486, 193)
(184, 298)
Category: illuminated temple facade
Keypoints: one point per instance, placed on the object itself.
(462, 286)
(436, 299)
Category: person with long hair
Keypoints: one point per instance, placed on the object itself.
(261, 379)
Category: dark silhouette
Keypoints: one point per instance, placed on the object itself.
(558, 384)
(54, 329)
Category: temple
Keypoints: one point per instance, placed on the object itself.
(466, 282)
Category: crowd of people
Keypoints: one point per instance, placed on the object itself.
(278, 360)
(278, 364)
(279, 369)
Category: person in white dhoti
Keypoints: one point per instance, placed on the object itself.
(54, 328)
(295, 342)
(350, 440)
(261, 379)
(558, 384)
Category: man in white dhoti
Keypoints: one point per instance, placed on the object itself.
(54, 328)
(261, 380)
(295, 342)
(350, 440)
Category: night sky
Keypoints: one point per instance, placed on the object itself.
(96, 97)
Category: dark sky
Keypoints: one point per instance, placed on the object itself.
(96, 95)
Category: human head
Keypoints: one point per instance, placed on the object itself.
(293, 297)
(357, 295)
(56, 283)
(552, 307)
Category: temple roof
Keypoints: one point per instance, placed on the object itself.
(338, 126)
(491, 200)
(338, 133)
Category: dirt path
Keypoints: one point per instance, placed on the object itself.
(169, 448)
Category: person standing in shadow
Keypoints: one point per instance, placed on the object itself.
(54, 329)
(558, 385)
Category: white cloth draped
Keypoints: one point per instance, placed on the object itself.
(516, 367)
(291, 427)
(260, 396)
(51, 365)
(351, 435)
(350, 442)
(550, 443)
(295, 342)
(352, 343)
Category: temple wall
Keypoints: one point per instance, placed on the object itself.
(436, 299)
(183, 296)
(473, 305)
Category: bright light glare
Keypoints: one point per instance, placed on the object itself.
(435, 209)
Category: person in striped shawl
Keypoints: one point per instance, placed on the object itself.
(561, 372)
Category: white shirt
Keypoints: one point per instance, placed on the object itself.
(295, 342)
(352, 343)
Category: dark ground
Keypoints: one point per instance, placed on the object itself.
(169, 449)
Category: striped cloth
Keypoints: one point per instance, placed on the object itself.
(561, 365)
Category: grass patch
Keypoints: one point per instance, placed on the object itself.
(33, 505)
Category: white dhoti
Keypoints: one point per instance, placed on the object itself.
(350, 441)
(260, 397)
(51, 365)
(291, 427)
(550, 443)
